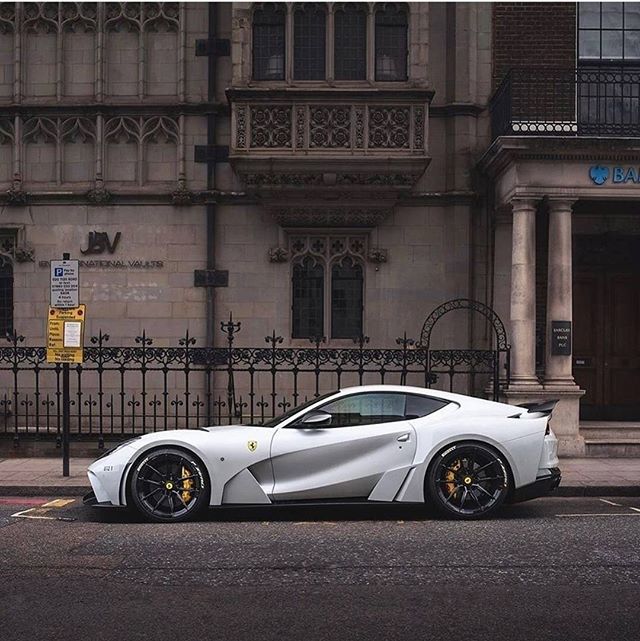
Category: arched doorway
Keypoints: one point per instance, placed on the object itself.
(465, 361)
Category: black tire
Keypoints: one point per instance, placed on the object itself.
(169, 485)
(468, 481)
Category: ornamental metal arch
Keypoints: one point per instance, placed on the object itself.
(467, 361)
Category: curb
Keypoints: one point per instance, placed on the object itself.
(44, 490)
(562, 492)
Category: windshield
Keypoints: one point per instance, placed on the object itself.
(283, 417)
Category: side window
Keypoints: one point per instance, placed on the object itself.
(419, 406)
(268, 42)
(392, 23)
(366, 409)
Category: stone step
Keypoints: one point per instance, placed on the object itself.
(606, 430)
(612, 447)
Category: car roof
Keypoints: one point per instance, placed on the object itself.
(408, 389)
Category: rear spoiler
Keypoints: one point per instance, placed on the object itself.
(545, 408)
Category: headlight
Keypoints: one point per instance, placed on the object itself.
(111, 450)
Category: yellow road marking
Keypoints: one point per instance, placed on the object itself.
(40, 511)
(58, 503)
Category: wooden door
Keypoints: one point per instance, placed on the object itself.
(606, 346)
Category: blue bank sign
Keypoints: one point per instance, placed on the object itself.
(601, 175)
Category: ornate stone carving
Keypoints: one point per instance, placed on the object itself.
(301, 117)
(418, 127)
(330, 127)
(376, 179)
(327, 247)
(377, 255)
(7, 17)
(160, 16)
(16, 197)
(123, 16)
(359, 127)
(6, 131)
(329, 217)
(40, 130)
(24, 253)
(160, 129)
(388, 127)
(278, 255)
(79, 16)
(270, 126)
(241, 127)
(122, 129)
(40, 17)
(99, 196)
(182, 197)
(78, 130)
(294, 180)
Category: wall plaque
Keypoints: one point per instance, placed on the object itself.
(561, 338)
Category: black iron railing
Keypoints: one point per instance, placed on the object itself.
(122, 391)
(588, 101)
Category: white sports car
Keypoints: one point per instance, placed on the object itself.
(383, 443)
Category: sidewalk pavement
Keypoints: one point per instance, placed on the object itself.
(580, 477)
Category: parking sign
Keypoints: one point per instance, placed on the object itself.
(64, 284)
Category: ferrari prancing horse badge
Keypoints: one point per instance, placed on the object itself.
(252, 445)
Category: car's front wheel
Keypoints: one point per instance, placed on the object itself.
(168, 485)
(468, 481)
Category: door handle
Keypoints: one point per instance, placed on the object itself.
(403, 438)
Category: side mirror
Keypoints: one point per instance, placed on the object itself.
(316, 419)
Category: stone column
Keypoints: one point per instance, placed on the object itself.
(523, 294)
(558, 371)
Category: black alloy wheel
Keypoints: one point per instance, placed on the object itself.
(169, 485)
(468, 481)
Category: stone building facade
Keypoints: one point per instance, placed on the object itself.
(330, 169)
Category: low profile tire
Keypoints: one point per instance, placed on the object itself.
(169, 485)
(468, 481)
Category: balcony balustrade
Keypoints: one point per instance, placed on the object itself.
(329, 137)
(588, 101)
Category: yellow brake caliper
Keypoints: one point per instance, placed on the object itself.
(187, 484)
(450, 476)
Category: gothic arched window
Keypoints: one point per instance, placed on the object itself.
(6, 293)
(350, 42)
(308, 299)
(346, 299)
(268, 42)
(391, 42)
(309, 42)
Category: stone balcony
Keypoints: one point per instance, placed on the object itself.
(323, 145)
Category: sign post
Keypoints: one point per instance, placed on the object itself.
(65, 335)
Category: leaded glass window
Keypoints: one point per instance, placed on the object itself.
(309, 42)
(391, 42)
(346, 299)
(308, 299)
(268, 42)
(6, 287)
(350, 43)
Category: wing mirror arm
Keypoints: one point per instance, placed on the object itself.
(315, 419)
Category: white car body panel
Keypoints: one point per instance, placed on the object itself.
(338, 462)
(365, 461)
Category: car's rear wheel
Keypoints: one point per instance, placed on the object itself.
(169, 485)
(468, 481)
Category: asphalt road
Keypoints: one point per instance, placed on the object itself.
(556, 569)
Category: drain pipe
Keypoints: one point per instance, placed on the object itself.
(211, 169)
